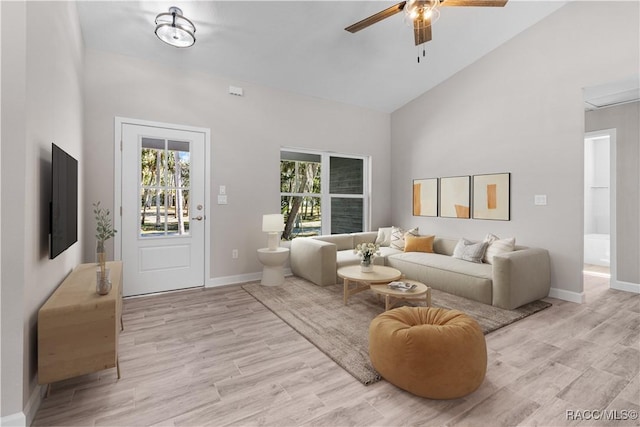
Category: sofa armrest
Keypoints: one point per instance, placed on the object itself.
(314, 260)
(520, 277)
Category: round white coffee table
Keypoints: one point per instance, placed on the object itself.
(363, 281)
(392, 297)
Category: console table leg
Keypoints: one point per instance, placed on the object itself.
(118, 367)
(48, 390)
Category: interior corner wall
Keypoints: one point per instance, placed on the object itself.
(42, 83)
(246, 136)
(626, 120)
(13, 155)
(520, 109)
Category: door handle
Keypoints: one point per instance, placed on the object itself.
(198, 218)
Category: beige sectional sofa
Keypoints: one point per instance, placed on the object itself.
(515, 278)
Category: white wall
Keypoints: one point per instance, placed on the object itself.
(520, 109)
(246, 136)
(41, 104)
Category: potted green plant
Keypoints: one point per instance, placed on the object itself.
(104, 231)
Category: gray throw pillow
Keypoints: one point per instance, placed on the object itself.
(470, 251)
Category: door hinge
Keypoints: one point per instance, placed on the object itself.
(120, 210)
(120, 145)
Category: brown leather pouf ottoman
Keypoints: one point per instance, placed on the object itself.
(430, 352)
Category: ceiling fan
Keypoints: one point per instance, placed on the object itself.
(422, 13)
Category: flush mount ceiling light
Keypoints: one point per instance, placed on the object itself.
(174, 29)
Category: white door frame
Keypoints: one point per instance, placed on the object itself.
(119, 122)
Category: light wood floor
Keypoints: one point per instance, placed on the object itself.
(217, 357)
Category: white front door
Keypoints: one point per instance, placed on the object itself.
(163, 212)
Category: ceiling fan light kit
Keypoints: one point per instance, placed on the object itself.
(174, 29)
(420, 10)
(420, 14)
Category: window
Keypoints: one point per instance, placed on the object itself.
(322, 193)
(164, 187)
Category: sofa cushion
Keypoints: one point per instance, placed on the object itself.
(388, 251)
(348, 257)
(398, 236)
(384, 236)
(342, 241)
(448, 274)
(418, 243)
(364, 237)
(345, 258)
(470, 251)
(442, 262)
(444, 245)
(497, 246)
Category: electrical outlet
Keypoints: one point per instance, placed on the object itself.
(234, 254)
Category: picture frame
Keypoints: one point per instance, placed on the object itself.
(455, 197)
(492, 196)
(425, 197)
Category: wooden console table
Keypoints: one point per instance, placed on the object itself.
(77, 328)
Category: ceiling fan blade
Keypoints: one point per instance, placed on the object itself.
(422, 30)
(376, 18)
(483, 3)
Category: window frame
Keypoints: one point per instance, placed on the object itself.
(325, 195)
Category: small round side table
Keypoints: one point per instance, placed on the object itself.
(273, 261)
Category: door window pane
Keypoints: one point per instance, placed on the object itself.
(152, 212)
(164, 191)
(179, 161)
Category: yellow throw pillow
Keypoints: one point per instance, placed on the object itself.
(418, 243)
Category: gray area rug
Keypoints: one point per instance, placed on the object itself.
(342, 332)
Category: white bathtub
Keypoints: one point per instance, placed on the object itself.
(597, 249)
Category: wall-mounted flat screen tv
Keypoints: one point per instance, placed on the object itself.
(64, 201)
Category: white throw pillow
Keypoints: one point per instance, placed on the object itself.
(384, 236)
(497, 246)
(397, 237)
(469, 251)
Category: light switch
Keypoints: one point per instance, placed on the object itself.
(222, 199)
(540, 200)
(223, 189)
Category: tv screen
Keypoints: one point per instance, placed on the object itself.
(64, 201)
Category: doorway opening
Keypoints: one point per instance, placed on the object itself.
(599, 210)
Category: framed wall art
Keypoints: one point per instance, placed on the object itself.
(492, 197)
(455, 197)
(425, 197)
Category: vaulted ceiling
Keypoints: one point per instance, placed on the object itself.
(302, 47)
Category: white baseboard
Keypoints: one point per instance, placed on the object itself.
(34, 403)
(625, 286)
(233, 280)
(26, 417)
(577, 297)
(14, 420)
(240, 278)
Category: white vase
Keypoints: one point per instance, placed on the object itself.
(366, 266)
